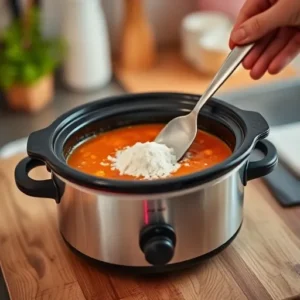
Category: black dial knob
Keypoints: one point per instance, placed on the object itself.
(158, 244)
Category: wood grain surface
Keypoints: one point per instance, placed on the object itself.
(172, 74)
(263, 262)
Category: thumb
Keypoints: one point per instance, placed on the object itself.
(261, 24)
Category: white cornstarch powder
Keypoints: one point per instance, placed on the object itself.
(149, 160)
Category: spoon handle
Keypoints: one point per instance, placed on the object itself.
(232, 61)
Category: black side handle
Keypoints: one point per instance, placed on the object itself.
(31, 187)
(256, 123)
(256, 169)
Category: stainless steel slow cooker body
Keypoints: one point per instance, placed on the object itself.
(151, 225)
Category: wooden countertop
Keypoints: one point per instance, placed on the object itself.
(263, 262)
(171, 73)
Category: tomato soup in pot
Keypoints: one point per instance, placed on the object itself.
(92, 155)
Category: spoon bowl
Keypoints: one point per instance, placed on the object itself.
(180, 132)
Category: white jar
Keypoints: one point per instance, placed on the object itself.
(194, 26)
(87, 64)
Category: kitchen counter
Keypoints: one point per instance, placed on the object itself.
(263, 262)
(17, 126)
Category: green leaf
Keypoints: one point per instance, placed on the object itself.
(8, 74)
(14, 53)
(30, 73)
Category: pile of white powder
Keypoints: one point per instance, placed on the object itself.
(149, 160)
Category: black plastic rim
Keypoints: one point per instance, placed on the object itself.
(248, 127)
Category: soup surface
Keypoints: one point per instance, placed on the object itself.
(206, 151)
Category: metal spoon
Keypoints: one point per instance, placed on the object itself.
(180, 132)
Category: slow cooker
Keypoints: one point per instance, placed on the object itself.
(153, 225)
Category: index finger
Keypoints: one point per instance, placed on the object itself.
(248, 10)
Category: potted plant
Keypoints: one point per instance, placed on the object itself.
(27, 63)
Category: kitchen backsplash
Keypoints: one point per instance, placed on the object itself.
(4, 13)
(165, 17)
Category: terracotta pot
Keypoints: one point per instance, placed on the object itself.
(31, 98)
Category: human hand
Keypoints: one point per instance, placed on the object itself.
(275, 27)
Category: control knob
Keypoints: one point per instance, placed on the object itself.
(158, 243)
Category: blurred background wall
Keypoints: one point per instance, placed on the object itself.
(164, 15)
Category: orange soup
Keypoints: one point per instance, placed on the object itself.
(206, 151)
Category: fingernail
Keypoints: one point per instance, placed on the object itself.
(239, 35)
